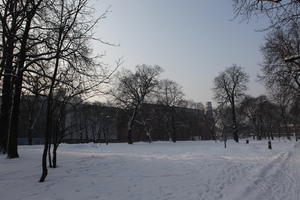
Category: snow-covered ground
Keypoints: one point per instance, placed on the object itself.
(157, 171)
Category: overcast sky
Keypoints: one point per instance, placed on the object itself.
(193, 40)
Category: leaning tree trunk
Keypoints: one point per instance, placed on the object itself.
(49, 118)
(58, 134)
(47, 137)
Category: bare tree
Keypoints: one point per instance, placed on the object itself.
(223, 121)
(279, 12)
(170, 94)
(261, 114)
(15, 19)
(71, 27)
(280, 44)
(146, 119)
(19, 21)
(31, 9)
(132, 88)
(10, 18)
(229, 87)
(283, 98)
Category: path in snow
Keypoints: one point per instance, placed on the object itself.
(278, 179)
(161, 171)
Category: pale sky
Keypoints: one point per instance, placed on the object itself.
(192, 40)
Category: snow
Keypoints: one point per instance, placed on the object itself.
(157, 171)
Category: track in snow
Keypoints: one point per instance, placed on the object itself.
(277, 180)
(159, 171)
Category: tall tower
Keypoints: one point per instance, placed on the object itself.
(209, 110)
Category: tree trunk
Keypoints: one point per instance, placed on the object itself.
(86, 134)
(6, 104)
(130, 125)
(5, 112)
(105, 136)
(280, 131)
(225, 142)
(81, 137)
(54, 160)
(269, 144)
(49, 116)
(129, 136)
(47, 138)
(148, 134)
(12, 146)
(287, 130)
(29, 136)
(174, 138)
(48, 130)
(33, 119)
(296, 131)
(234, 123)
(149, 137)
(93, 130)
(49, 154)
(49, 119)
(283, 115)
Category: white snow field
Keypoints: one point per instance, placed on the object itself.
(158, 171)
